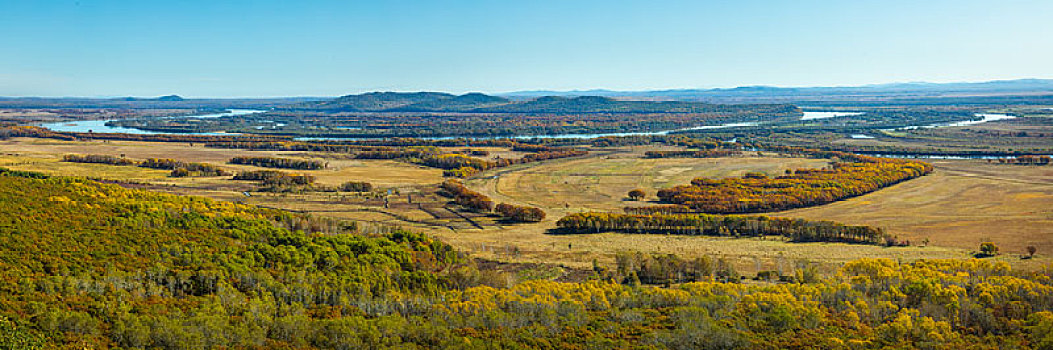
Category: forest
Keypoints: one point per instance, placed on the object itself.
(100, 266)
(754, 193)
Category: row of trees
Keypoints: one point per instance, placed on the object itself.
(518, 213)
(1025, 160)
(98, 159)
(797, 230)
(467, 198)
(178, 168)
(183, 169)
(277, 162)
(480, 203)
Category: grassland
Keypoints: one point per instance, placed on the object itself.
(961, 204)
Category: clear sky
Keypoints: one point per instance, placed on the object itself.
(325, 48)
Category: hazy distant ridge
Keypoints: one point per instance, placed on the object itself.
(791, 94)
(481, 103)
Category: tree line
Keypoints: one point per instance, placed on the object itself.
(183, 169)
(518, 213)
(178, 168)
(797, 230)
(277, 162)
(1025, 160)
(715, 153)
(98, 159)
(467, 198)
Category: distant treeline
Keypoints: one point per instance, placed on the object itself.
(276, 162)
(797, 230)
(372, 118)
(1026, 160)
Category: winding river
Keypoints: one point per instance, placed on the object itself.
(101, 127)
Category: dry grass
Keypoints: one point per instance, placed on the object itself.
(601, 182)
(963, 203)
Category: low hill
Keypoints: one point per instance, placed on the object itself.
(374, 101)
(597, 104)
(482, 103)
(462, 103)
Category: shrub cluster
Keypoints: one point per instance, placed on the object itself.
(356, 186)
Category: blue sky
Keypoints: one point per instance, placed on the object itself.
(326, 48)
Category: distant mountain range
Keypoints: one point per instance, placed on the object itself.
(403, 102)
(771, 94)
(1022, 91)
(482, 103)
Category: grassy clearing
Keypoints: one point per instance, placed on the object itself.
(602, 181)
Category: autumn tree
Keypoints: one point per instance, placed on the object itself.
(988, 249)
(637, 194)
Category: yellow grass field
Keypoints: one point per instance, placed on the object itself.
(963, 203)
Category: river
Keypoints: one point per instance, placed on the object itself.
(824, 115)
(100, 126)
